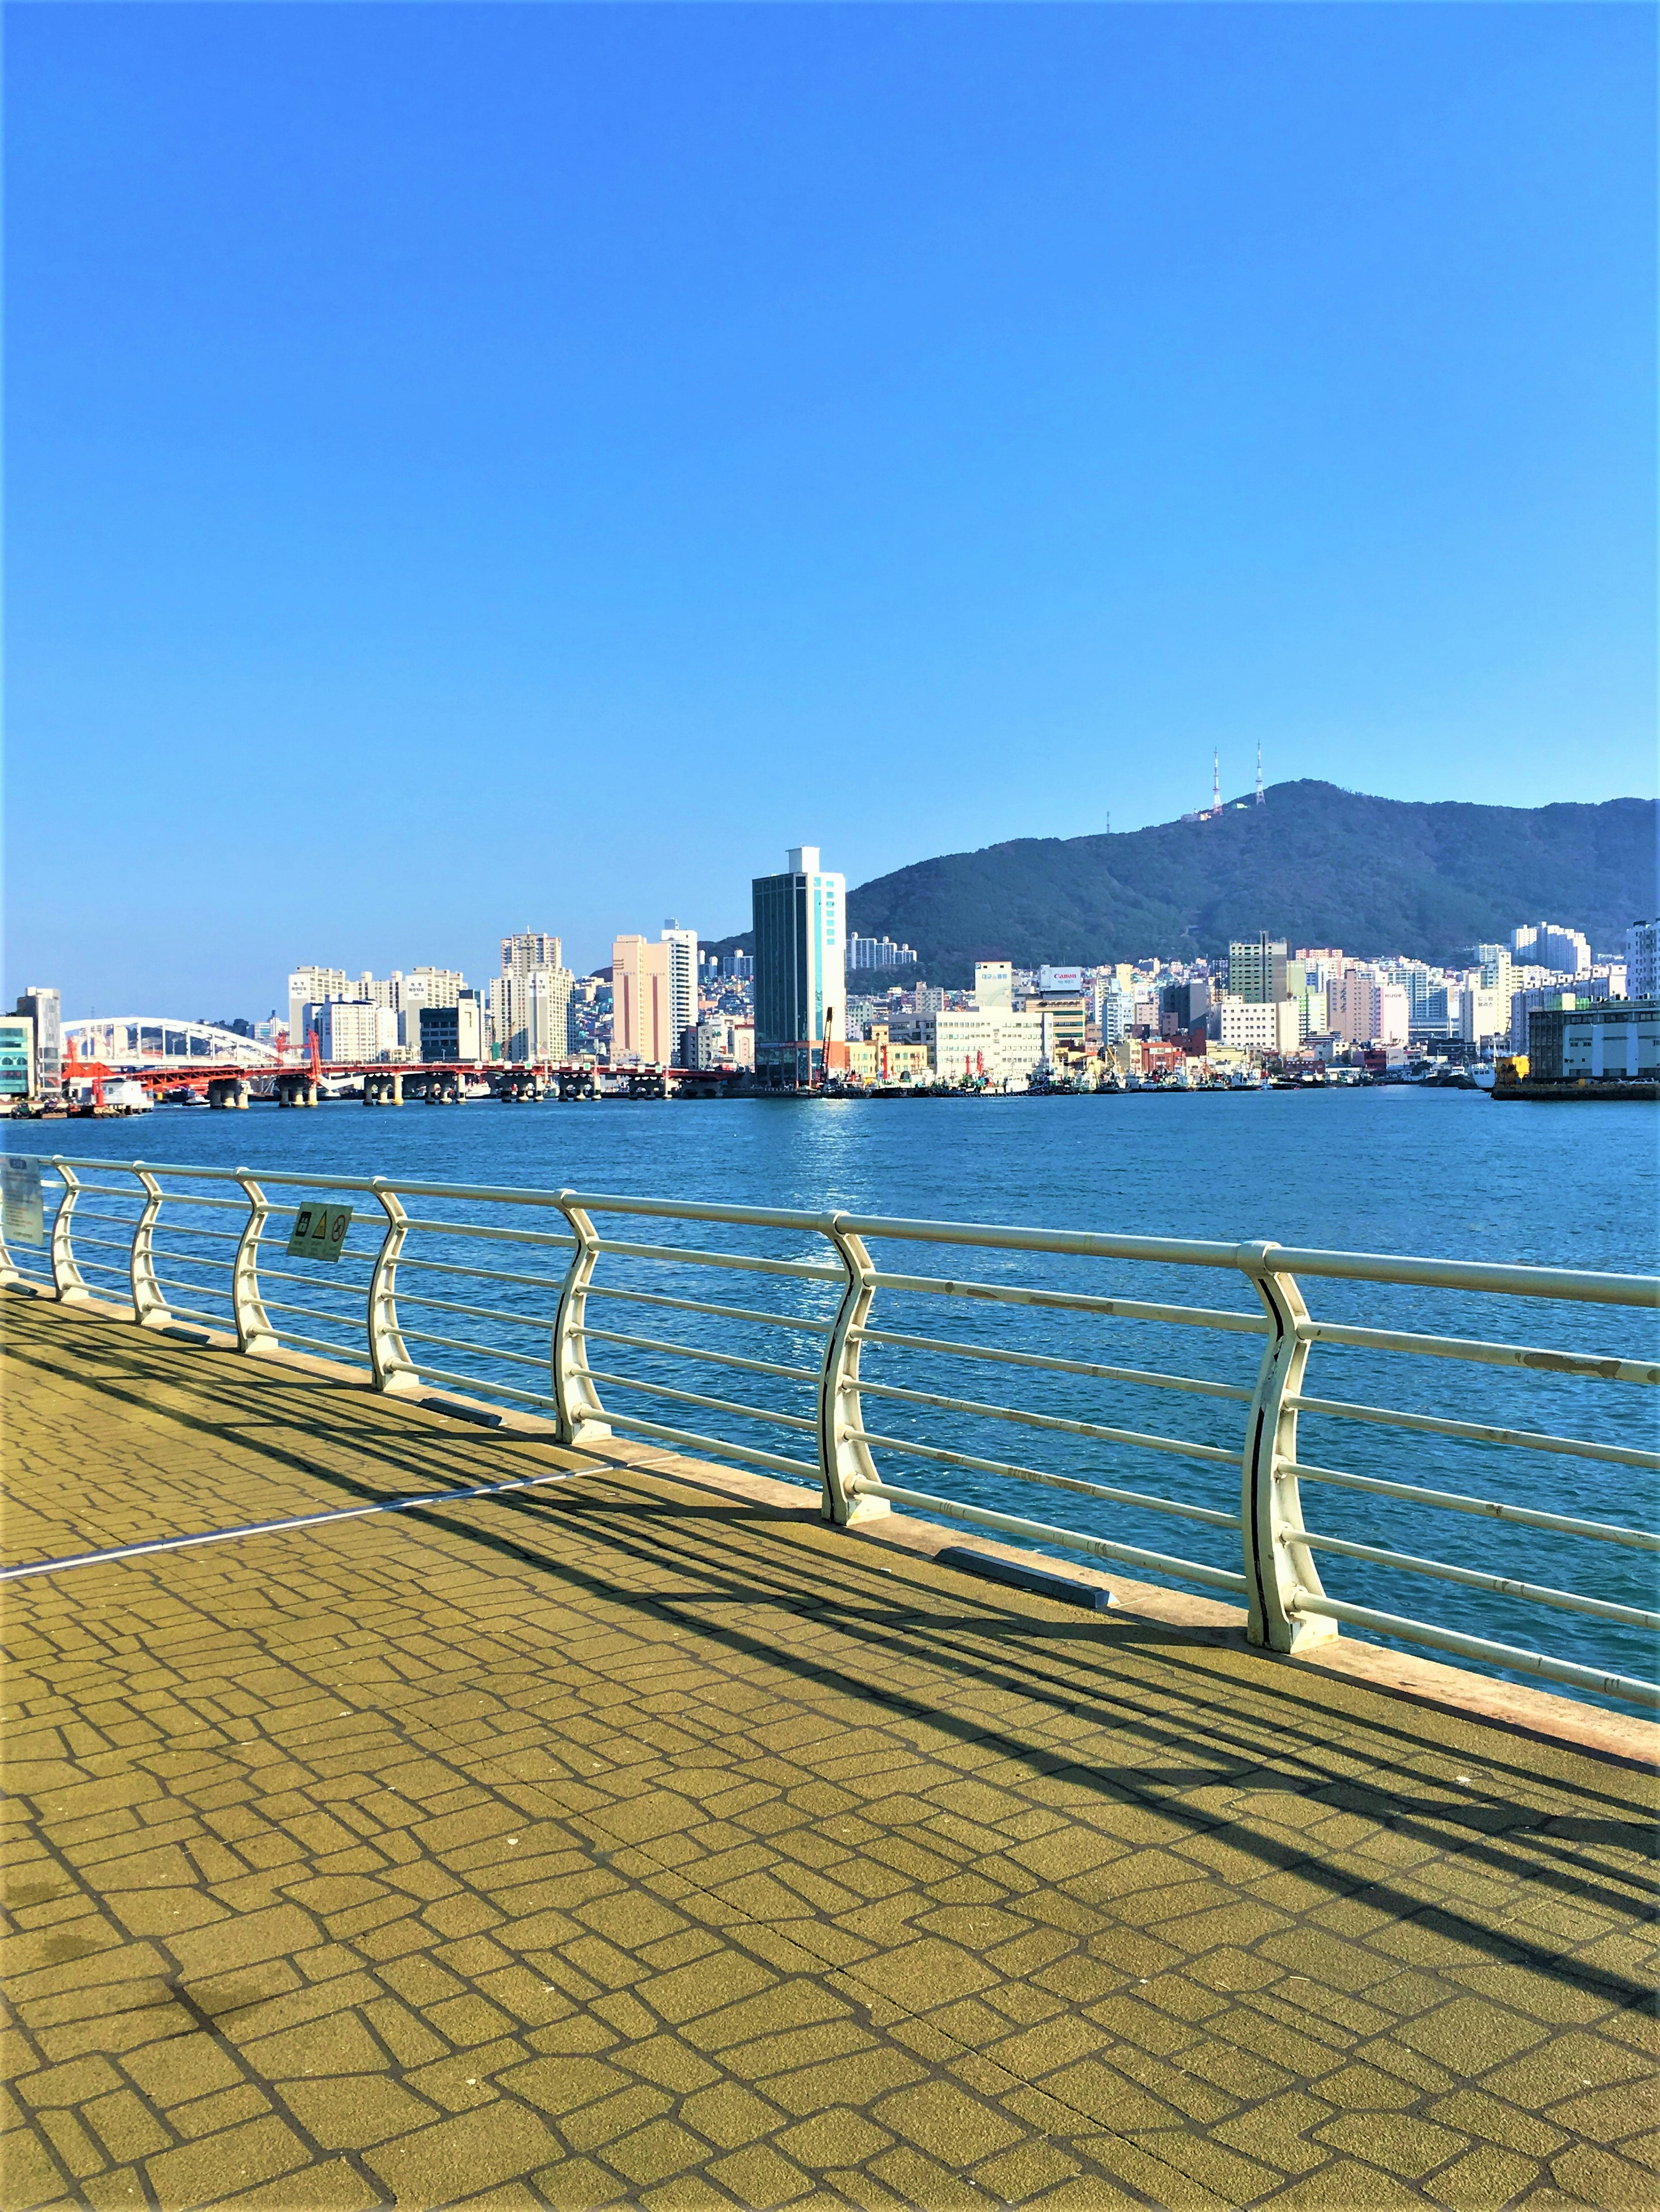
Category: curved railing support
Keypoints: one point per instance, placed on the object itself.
(1279, 1567)
(150, 1300)
(254, 1332)
(388, 1353)
(844, 1458)
(66, 1276)
(581, 1416)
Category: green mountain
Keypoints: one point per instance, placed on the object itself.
(1314, 864)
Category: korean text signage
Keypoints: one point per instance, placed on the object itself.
(318, 1232)
(22, 1212)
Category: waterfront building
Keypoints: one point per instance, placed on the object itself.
(1116, 1013)
(711, 1044)
(1351, 1011)
(1609, 1040)
(349, 1029)
(42, 1004)
(994, 986)
(454, 1032)
(1550, 944)
(715, 1042)
(653, 997)
(17, 1075)
(1484, 1013)
(1256, 968)
(311, 986)
(1493, 961)
(680, 967)
(1184, 1008)
(410, 994)
(530, 1014)
(1391, 1016)
(997, 1042)
(800, 972)
(1264, 1025)
(1643, 959)
(1066, 1017)
(1534, 998)
(530, 1009)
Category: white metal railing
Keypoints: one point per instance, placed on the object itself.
(195, 1248)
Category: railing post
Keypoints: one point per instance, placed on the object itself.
(1277, 1568)
(67, 1280)
(254, 1333)
(581, 1416)
(150, 1300)
(843, 1461)
(388, 1353)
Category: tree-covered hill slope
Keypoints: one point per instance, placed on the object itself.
(1314, 864)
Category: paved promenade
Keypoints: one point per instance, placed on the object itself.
(634, 1839)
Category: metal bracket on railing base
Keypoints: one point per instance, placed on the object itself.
(67, 1280)
(1278, 1569)
(388, 1353)
(581, 1416)
(844, 1459)
(149, 1301)
(254, 1332)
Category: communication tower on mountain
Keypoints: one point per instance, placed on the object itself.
(1259, 774)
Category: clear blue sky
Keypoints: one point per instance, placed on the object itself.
(475, 468)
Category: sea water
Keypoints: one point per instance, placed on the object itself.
(1388, 1170)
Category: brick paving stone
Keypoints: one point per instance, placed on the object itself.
(639, 1841)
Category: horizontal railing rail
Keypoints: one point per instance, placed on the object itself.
(410, 1300)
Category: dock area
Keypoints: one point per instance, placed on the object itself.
(635, 1838)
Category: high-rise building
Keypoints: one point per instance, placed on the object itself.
(1495, 963)
(641, 1034)
(1643, 960)
(530, 1002)
(879, 952)
(681, 967)
(800, 970)
(531, 948)
(654, 992)
(310, 987)
(1256, 969)
(1551, 945)
(43, 1005)
(530, 1014)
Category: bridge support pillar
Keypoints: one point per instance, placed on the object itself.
(310, 1098)
(240, 1092)
(219, 1095)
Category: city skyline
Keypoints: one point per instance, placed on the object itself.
(805, 411)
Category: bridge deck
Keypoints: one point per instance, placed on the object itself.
(633, 1840)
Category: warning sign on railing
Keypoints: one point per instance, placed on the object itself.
(21, 1208)
(318, 1232)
